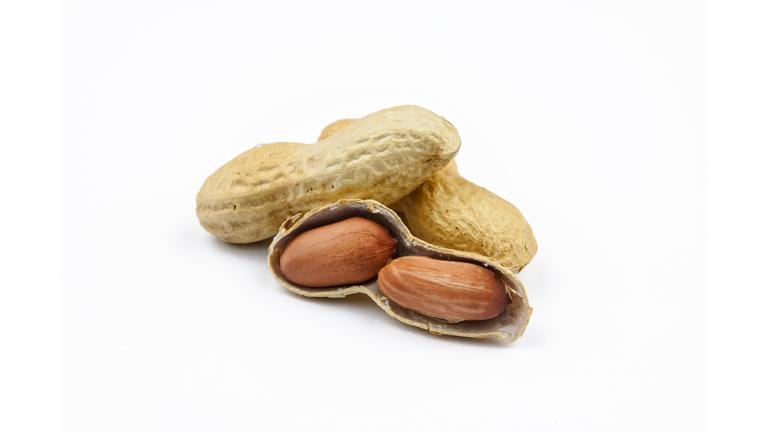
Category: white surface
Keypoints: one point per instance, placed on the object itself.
(589, 117)
(737, 232)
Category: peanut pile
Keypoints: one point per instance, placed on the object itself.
(377, 207)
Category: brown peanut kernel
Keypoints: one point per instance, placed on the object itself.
(454, 291)
(347, 252)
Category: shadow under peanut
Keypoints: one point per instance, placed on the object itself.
(361, 306)
(257, 251)
(364, 308)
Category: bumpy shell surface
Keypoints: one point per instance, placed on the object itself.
(507, 327)
(383, 156)
(451, 211)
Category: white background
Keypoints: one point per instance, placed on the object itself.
(590, 117)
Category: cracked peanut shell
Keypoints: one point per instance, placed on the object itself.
(507, 326)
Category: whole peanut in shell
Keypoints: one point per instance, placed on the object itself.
(383, 156)
(451, 211)
(342, 253)
(454, 291)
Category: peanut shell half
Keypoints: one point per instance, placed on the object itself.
(507, 327)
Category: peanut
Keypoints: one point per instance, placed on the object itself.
(342, 253)
(383, 156)
(451, 211)
(454, 291)
(461, 286)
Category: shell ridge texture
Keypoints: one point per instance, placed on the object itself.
(240, 203)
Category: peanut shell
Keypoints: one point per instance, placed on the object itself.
(333, 128)
(451, 211)
(383, 156)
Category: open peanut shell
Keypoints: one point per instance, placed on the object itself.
(507, 327)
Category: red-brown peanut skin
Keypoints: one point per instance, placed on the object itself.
(347, 252)
(454, 291)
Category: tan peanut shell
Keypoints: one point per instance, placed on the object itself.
(383, 156)
(333, 128)
(507, 326)
(451, 211)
